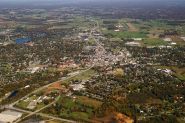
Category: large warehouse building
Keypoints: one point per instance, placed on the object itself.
(9, 116)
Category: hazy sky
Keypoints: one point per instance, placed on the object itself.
(83, 0)
(103, 2)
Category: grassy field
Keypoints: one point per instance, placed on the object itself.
(154, 42)
(182, 30)
(145, 29)
(75, 109)
(23, 104)
(155, 32)
(80, 116)
(153, 27)
(132, 28)
(150, 24)
(114, 34)
(83, 76)
(39, 106)
(88, 101)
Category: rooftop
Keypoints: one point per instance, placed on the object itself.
(9, 116)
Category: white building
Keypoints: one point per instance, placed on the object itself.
(9, 116)
(33, 69)
(132, 43)
(167, 39)
(173, 43)
(117, 30)
(137, 39)
(78, 87)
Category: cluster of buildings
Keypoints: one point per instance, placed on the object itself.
(78, 86)
(33, 69)
(35, 100)
(68, 64)
(119, 28)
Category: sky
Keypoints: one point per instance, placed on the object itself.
(89, 2)
(83, 0)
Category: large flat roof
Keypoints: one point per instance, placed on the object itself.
(9, 116)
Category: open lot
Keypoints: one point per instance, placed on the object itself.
(132, 28)
(154, 42)
(124, 34)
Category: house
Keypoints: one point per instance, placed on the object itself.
(9, 116)
(167, 39)
(117, 30)
(33, 69)
(162, 46)
(132, 43)
(173, 43)
(27, 86)
(77, 87)
(137, 39)
(119, 26)
(168, 71)
(32, 104)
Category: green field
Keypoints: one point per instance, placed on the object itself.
(113, 34)
(23, 104)
(83, 76)
(76, 109)
(88, 101)
(154, 42)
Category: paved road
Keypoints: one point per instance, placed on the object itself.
(55, 118)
